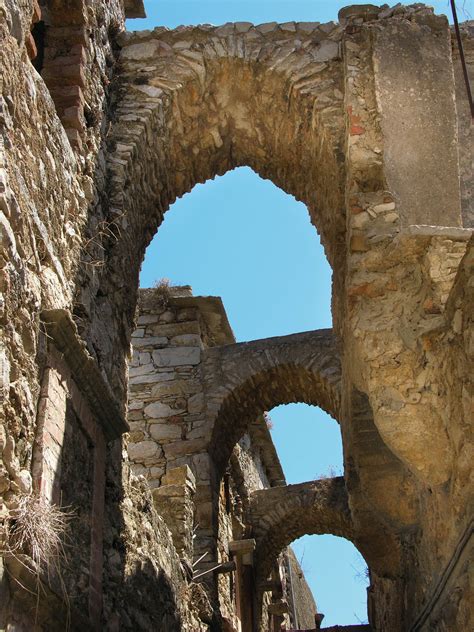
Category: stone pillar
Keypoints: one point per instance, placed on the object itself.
(166, 407)
(242, 551)
(399, 275)
(174, 501)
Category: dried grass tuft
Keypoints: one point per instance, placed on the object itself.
(37, 529)
(163, 293)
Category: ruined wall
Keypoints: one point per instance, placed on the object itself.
(169, 441)
(447, 574)
(45, 184)
(398, 282)
(52, 171)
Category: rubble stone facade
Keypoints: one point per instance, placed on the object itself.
(367, 122)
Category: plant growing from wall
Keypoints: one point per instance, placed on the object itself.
(34, 537)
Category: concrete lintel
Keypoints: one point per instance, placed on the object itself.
(62, 330)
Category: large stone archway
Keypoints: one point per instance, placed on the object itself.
(180, 120)
(306, 106)
(282, 514)
(367, 122)
(196, 102)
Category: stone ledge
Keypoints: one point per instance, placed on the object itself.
(63, 331)
(455, 233)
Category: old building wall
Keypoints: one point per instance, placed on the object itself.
(51, 176)
(304, 604)
(163, 446)
(390, 338)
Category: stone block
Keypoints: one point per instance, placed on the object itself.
(364, 11)
(307, 27)
(134, 9)
(152, 341)
(167, 490)
(204, 513)
(179, 476)
(142, 450)
(147, 319)
(178, 356)
(158, 410)
(267, 27)
(146, 50)
(150, 91)
(196, 403)
(173, 387)
(180, 448)
(240, 547)
(163, 432)
(201, 463)
(327, 51)
(243, 27)
(143, 369)
(152, 379)
(186, 340)
(278, 608)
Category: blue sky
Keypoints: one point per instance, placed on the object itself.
(172, 13)
(242, 238)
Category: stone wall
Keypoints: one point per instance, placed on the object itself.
(168, 444)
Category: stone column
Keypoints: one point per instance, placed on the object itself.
(174, 501)
(242, 551)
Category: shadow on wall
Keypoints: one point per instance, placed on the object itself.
(152, 604)
(138, 593)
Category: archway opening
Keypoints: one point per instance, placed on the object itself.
(313, 448)
(242, 238)
(196, 119)
(334, 569)
(338, 577)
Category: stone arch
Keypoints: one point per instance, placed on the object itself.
(196, 102)
(280, 515)
(244, 380)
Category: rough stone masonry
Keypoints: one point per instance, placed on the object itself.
(164, 455)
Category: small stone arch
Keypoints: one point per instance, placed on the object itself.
(244, 380)
(280, 515)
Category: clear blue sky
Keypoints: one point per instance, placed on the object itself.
(242, 238)
(172, 13)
